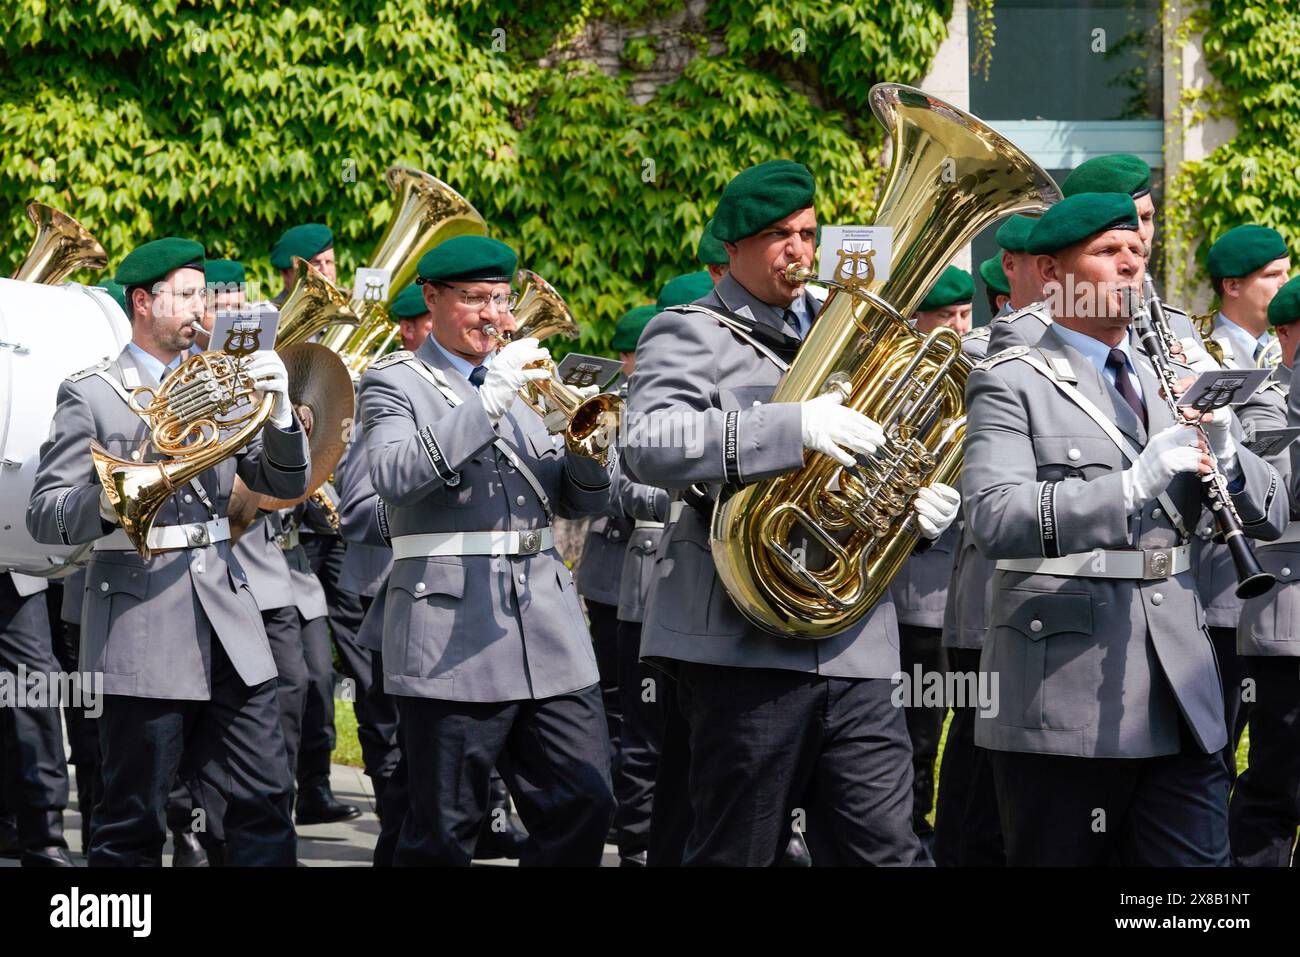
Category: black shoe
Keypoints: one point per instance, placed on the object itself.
(187, 851)
(494, 845)
(319, 806)
(796, 853)
(636, 859)
(9, 846)
(52, 856)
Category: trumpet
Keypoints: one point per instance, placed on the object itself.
(1152, 328)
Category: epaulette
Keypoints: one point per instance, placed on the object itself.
(1033, 309)
(98, 367)
(983, 332)
(1014, 352)
(401, 355)
(1174, 309)
(1277, 387)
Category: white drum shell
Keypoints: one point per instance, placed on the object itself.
(46, 334)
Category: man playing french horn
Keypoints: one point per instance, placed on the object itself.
(178, 638)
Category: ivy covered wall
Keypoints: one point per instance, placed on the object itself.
(592, 134)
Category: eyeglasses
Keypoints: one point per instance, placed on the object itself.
(476, 300)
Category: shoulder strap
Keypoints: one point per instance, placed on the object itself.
(740, 327)
(436, 378)
(1112, 432)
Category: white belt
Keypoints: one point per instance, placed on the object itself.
(436, 544)
(164, 537)
(1152, 564)
(289, 540)
(646, 523)
(675, 511)
(1291, 534)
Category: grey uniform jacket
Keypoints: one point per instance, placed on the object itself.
(308, 592)
(695, 383)
(364, 526)
(262, 559)
(148, 626)
(600, 570)
(1092, 667)
(1270, 624)
(478, 627)
(647, 508)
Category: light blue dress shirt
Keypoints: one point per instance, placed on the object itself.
(1244, 345)
(1097, 352)
(463, 366)
(151, 364)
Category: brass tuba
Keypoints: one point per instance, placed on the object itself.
(428, 212)
(951, 176)
(593, 422)
(61, 247)
(314, 304)
(204, 411)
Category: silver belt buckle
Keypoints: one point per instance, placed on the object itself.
(1157, 563)
(530, 543)
(198, 534)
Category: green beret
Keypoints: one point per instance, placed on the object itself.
(409, 303)
(1284, 309)
(1080, 216)
(954, 286)
(1115, 173)
(225, 272)
(993, 275)
(116, 290)
(680, 290)
(469, 259)
(710, 251)
(1014, 233)
(761, 195)
(1243, 249)
(151, 262)
(305, 241)
(630, 326)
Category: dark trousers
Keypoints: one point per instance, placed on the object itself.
(641, 696)
(923, 646)
(967, 832)
(553, 754)
(287, 648)
(1265, 808)
(1064, 811)
(1232, 671)
(603, 620)
(670, 811)
(378, 736)
(346, 611)
(394, 795)
(233, 740)
(83, 734)
(318, 735)
(771, 749)
(35, 768)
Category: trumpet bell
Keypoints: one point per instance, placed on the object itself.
(61, 247)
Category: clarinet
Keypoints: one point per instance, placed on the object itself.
(1152, 327)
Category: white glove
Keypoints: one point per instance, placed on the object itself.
(269, 376)
(827, 425)
(508, 375)
(936, 508)
(106, 510)
(1218, 429)
(1167, 454)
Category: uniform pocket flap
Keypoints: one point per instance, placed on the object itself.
(1076, 451)
(1037, 614)
(434, 576)
(543, 444)
(106, 579)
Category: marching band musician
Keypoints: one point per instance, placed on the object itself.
(1265, 808)
(777, 726)
(996, 287)
(178, 639)
(484, 645)
(1079, 483)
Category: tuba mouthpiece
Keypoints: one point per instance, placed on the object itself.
(797, 273)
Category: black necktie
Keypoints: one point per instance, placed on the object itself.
(1125, 385)
(792, 320)
(477, 376)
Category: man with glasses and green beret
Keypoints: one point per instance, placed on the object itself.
(484, 645)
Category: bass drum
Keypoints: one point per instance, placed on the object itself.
(46, 334)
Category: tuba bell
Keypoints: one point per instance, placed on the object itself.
(951, 176)
(428, 212)
(61, 247)
(314, 304)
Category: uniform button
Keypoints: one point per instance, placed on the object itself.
(1074, 455)
(188, 498)
(1035, 626)
(419, 586)
(1157, 599)
(522, 578)
(519, 500)
(1286, 571)
(1156, 512)
(103, 586)
(614, 534)
(756, 402)
(648, 544)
